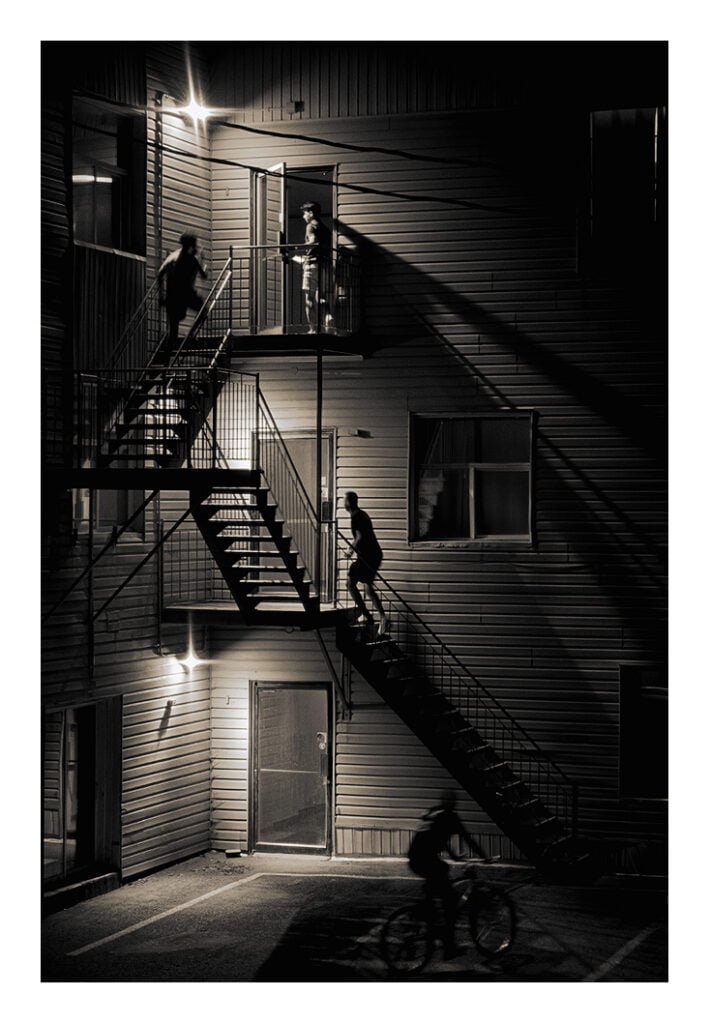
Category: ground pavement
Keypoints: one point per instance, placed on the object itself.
(285, 918)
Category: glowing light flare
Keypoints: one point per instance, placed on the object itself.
(195, 110)
(190, 660)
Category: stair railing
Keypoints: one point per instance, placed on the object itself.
(214, 408)
(476, 703)
(285, 484)
(142, 342)
(266, 296)
(215, 314)
(142, 334)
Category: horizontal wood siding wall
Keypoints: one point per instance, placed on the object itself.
(55, 276)
(178, 173)
(166, 770)
(384, 778)
(302, 81)
(108, 287)
(166, 796)
(263, 81)
(486, 310)
(165, 773)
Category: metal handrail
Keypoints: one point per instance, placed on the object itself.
(511, 724)
(136, 319)
(263, 405)
(205, 311)
(234, 410)
(309, 542)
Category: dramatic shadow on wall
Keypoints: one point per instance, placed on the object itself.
(628, 558)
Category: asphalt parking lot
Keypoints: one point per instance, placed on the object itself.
(295, 919)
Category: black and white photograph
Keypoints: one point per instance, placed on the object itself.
(354, 513)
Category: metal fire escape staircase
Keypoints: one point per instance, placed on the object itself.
(160, 413)
(472, 735)
(263, 533)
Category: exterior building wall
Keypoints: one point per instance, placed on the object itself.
(162, 777)
(473, 272)
(178, 185)
(303, 81)
(383, 778)
(468, 230)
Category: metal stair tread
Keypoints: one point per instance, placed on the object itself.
(259, 568)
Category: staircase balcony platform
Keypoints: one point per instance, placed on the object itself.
(299, 343)
(269, 613)
(294, 342)
(151, 478)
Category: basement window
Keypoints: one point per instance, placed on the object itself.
(471, 477)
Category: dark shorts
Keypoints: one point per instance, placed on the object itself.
(177, 308)
(361, 572)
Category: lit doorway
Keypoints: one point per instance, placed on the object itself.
(290, 797)
(277, 197)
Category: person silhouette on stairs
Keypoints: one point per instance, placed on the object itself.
(180, 270)
(366, 561)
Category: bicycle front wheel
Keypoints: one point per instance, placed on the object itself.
(406, 942)
(492, 921)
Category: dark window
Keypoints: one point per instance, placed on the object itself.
(111, 508)
(108, 178)
(627, 202)
(471, 477)
(643, 733)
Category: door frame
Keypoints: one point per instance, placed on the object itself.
(257, 218)
(104, 832)
(318, 851)
(330, 434)
(258, 225)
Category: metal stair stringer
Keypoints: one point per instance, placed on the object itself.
(256, 556)
(466, 753)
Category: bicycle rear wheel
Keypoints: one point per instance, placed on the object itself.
(406, 942)
(492, 921)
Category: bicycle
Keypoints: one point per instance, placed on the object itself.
(485, 916)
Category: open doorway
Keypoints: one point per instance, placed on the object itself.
(290, 798)
(318, 188)
(277, 196)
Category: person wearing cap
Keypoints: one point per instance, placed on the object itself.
(179, 270)
(315, 264)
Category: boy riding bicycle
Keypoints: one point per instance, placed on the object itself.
(425, 860)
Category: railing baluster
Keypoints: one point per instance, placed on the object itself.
(480, 707)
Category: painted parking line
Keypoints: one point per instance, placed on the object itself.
(215, 892)
(621, 954)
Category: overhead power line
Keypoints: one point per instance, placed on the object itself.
(295, 176)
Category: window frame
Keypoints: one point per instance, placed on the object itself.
(129, 199)
(525, 541)
(131, 497)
